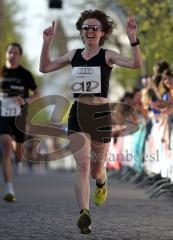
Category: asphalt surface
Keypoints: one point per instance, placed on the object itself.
(46, 209)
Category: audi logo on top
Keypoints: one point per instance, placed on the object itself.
(85, 70)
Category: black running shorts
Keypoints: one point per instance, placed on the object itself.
(7, 126)
(92, 119)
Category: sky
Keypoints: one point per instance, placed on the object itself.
(36, 16)
(32, 14)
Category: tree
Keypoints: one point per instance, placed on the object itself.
(9, 33)
(155, 23)
(8, 29)
(155, 20)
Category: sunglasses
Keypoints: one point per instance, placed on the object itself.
(92, 27)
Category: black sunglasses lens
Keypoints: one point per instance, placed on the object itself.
(85, 28)
(93, 28)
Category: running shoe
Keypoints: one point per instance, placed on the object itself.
(100, 195)
(84, 222)
(9, 197)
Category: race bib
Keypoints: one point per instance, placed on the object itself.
(10, 107)
(86, 80)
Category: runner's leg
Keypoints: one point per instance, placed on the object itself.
(6, 141)
(99, 153)
(82, 158)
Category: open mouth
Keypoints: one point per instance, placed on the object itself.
(90, 36)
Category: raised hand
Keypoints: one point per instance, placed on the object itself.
(49, 33)
(131, 28)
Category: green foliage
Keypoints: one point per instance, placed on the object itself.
(9, 33)
(7, 27)
(155, 23)
(127, 77)
(42, 117)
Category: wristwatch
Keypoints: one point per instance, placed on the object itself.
(133, 44)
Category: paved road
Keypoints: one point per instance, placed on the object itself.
(46, 209)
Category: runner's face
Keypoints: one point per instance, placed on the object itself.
(13, 55)
(91, 31)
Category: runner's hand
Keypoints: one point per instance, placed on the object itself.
(131, 28)
(20, 100)
(49, 33)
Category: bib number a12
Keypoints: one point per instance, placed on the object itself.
(86, 80)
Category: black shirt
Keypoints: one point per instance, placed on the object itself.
(17, 82)
(97, 60)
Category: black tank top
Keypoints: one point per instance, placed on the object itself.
(97, 60)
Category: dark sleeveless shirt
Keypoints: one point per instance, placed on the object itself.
(96, 61)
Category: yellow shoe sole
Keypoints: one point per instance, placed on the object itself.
(84, 223)
(9, 197)
(100, 201)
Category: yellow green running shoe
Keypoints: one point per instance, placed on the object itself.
(9, 197)
(84, 222)
(100, 195)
